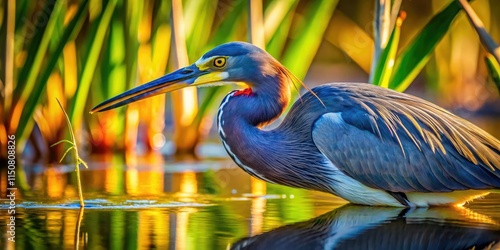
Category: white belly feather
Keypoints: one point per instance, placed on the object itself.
(356, 192)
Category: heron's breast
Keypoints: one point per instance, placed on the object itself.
(224, 138)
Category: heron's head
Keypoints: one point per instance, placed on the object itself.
(235, 62)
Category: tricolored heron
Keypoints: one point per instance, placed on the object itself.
(366, 144)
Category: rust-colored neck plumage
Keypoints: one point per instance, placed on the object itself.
(270, 155)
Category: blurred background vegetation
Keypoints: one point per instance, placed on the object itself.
(84, 52)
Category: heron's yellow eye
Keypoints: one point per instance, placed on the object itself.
(220, 62)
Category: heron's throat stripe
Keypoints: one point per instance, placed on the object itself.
(220, 122)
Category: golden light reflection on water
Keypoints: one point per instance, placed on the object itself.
(54, 224)
(257, 215)
(153, 229)
(113, 179)
(182, 220)
(147, 182)
(132, 123)
(258, 186)
(258, 206)
(479, 218)
(55, 183)
(229, 217)
(153, 183)
(69, 220)
(188, 183)
(132, 180)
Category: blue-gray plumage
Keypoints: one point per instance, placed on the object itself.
(367, 144)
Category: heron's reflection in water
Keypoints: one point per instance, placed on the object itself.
(362, 227)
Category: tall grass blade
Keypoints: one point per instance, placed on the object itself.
(198, 29)
(275, 14)
(89, 67)
(26, 83)
(395, 9)
(493, 69)
(134, 14)
(302, 49)
(21, 10)
(486, 39)
(229, 25)
(72, 29)
(278, 19)
(38, 36)
(184, 101)
(416, 54)
(256, 29)
(113, 58)
(8, 59)
(353, 40)
(385, 66)
(381, 33)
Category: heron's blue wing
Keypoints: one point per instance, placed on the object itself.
(406, 156)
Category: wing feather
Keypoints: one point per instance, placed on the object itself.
(401, 143)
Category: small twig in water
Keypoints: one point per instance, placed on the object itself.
(77, 158)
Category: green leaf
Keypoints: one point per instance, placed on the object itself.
(30, 37)
(493, 69)
(486, 39)
(113, 60)
(416, 54)
(385, 63)
(132, 20)
(21, 10)
(73, 28)
(229, 25)
(196, 28)
(303, 48)
(381, 34)
(78, 102)
(36, 52)
(277, 38)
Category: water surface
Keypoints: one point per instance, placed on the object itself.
(215, 205)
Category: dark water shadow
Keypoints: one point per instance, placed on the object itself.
(362, 227)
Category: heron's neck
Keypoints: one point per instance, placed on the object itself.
(277, 155)
(241, 115)
(255, 106)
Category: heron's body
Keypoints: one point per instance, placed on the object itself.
(366, 144)
(341, 151)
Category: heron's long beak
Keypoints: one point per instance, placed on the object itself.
(181, 78)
